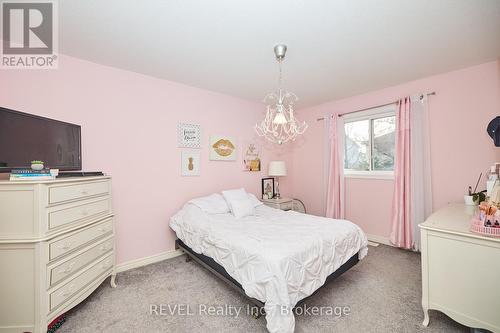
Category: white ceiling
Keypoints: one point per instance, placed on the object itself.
(335, 48)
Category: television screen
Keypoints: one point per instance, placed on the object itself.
(25, 137)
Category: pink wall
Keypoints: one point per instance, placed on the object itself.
(129, 131)
(466, 101)
(128, 118)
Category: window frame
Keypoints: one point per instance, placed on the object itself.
(370, 114)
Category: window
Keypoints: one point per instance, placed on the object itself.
(370, 138)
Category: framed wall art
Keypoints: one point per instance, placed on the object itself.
(190, 163)
(188, 135)
(222, 148)
(251, 158)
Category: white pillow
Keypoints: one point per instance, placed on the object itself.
(242, 208)
(212, 204)
(256, 202)
(231, 195)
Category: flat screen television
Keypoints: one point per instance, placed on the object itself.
(25, 137)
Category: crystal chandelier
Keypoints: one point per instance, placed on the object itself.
(280, 125)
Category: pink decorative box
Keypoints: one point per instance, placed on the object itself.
(478, 227)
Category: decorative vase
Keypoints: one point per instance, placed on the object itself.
(37, 166)
(469, 200)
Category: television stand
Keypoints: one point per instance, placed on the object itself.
(66, 174)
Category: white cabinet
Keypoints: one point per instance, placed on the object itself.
(460, 269)
(56, 247)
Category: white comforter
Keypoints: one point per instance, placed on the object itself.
(278, 257)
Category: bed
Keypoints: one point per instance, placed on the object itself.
(276, 258)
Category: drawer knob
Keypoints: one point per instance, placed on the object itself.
(68, 291)
(85, 213)
(104, 229)
(84, 192)
(69, 269)
(104, 247)
(65, 246)
(106, 264)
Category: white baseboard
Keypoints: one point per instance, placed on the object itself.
(125, 266)
(379, 239)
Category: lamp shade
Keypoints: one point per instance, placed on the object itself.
(277, 168)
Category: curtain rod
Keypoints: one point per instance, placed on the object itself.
(372, 107)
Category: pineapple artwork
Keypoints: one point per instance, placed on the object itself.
(190, 163)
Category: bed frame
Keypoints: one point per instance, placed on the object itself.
(220, 272)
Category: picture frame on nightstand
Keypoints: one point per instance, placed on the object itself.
(268, 188)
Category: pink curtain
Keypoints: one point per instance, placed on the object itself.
(402, 234)
(335, 192)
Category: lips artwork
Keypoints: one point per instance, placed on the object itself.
(222, 148)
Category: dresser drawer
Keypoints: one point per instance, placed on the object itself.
(286, 205)
(64, 193)
(81, 212)
(65, 244)
(63, 270)
(282, 205)
(71, 287)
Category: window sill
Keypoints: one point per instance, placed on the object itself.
(384, 175)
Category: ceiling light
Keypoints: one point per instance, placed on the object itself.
(280, 125)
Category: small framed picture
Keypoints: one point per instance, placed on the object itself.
(267, 188)
(251, 158)
(190, 163)
(188, 135)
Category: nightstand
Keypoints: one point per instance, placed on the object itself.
(281, 203)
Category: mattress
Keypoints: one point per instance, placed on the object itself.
(278, 257)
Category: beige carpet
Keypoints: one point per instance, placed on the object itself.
(382, 292)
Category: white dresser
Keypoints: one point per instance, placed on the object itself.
(460, 269)
(56, 247)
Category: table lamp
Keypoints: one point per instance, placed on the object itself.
(277, 169)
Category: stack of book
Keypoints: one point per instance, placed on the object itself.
(29, 174)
